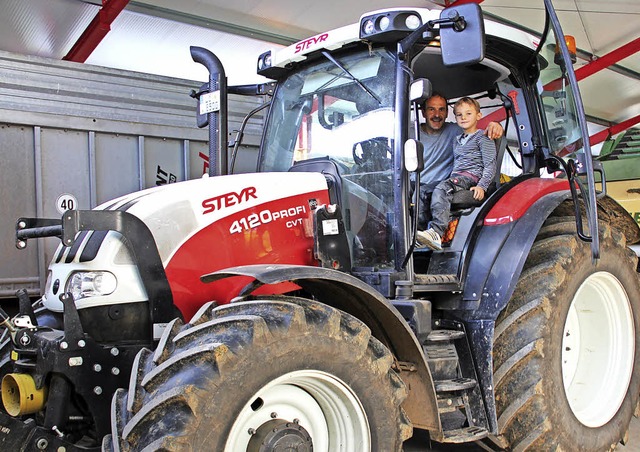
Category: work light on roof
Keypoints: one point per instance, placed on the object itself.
(388, 26)
(264, 61)
(412, 22)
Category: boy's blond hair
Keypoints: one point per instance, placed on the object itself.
(467, 101)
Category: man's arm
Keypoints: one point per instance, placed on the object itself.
(494, 130)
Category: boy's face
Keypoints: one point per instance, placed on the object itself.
(467, 116)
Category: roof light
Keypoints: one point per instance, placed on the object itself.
(389, 26)
(368, 27)
(413, 22)
(264, 61)
(384, 23)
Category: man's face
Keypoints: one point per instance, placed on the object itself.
(435, 113)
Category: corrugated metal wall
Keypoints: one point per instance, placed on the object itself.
(89, 134)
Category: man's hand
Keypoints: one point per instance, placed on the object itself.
(478, 193)
(494, 130)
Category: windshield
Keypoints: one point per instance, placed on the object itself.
(341, 108)
(322, 111)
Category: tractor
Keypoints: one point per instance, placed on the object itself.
(290, 309)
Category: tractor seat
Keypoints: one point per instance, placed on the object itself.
(463, 199)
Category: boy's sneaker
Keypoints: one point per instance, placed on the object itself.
(430, 239)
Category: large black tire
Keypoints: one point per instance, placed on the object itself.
(277, 371)
(566, 348)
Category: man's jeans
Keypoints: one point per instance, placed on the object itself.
(441, 201)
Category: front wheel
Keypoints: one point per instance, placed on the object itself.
(566, 348)
(277, 374)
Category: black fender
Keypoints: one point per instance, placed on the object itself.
(499, 254)
(497, 259)
(349, 294)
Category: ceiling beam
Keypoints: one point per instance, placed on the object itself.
(609, 59)
(613, 130)
(448, 3)
(580, 53)
(583, 72)
(95, 31)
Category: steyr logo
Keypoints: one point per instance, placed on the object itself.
(303, 45)
(228, 199)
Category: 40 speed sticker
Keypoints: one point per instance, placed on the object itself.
(66, 201)
(267, 216)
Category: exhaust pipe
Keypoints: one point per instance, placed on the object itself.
(20, 395)
(217, 119)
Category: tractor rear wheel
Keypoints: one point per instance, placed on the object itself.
(264, 375)
(566, 348)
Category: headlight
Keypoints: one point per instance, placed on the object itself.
(91, 284)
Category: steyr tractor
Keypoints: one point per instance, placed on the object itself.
(289, 309)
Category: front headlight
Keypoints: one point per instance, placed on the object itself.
(91, 284)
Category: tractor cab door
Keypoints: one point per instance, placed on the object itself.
(567, 137)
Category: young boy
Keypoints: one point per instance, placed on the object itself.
(474, 165)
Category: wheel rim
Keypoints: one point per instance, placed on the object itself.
(598, 349)
(320, 403)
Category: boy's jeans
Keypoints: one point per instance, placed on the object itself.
(441, 200)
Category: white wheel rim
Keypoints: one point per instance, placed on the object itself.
(321, 403)
(598, 349)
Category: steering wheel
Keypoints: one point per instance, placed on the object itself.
(375, 151)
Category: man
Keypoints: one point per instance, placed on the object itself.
(438, 137)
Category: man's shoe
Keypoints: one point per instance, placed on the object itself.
(430, 239)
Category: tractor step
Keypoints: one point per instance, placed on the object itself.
(464, 435)
(437, 336)
(442, 359)
(450, 404)
(436, 279)
(459, 400)
(453, 385)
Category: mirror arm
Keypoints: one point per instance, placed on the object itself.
(454, 20)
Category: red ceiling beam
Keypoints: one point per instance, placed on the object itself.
(96, 31)
(613, 130)
(462, 2)
(609, 59)
(583, 72)
(447, 3)
(600, 136)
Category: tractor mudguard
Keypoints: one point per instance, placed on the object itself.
(496, 263)
(345, 292)
(497, 260)
(502, 248)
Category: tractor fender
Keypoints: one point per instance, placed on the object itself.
(499, 254)
(504, 244)
(349, 294)
(497, 259)
(504, 241)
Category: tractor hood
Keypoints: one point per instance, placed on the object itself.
(199, 226)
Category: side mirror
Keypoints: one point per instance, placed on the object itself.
(413, 156)
(420, 90)
(462, 38)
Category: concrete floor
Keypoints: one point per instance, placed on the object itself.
(418, 444)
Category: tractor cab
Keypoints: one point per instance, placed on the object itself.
(346, 104)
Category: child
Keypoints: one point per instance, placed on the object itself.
(474, 165)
